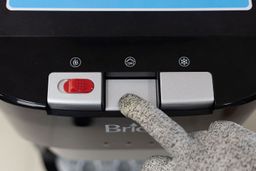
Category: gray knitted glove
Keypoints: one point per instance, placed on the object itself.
(224, 146)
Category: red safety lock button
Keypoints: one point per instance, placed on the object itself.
(75, 86)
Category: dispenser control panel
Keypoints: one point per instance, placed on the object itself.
(78, 57)
(91, 92)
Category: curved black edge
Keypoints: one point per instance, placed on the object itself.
(237, 103)
(70, 113)
(114, 114)
(22, 102)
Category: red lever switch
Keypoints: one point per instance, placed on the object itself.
(76, 86)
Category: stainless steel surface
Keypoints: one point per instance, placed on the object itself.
(104, 154)
(115, 89)
(55, 131)
(71, 141)
(186, 90)
(17, 154)
(58, 99)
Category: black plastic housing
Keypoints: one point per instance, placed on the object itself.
(34, 44)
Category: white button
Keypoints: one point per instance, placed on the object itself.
(186, 90)
(59, 99)
(115, 89)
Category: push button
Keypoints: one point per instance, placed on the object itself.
(116, 88)
(186, 90)
(76, 86)
(75, 91)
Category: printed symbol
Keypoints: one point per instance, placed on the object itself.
(130, 61)
(75, 62)
(184, 61)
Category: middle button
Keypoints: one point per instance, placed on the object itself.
(116, 88)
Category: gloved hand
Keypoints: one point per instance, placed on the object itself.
(224, 146)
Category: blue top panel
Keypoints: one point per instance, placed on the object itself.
(129, 4)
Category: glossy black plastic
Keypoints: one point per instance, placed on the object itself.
(34, 44)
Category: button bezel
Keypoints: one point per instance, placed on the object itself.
(60, 100)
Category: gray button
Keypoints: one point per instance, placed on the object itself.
(59, 99)
(186, 90)
(116, 88)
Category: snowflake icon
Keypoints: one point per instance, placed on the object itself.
(184, 61)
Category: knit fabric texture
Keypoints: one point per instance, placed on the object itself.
(224, 146)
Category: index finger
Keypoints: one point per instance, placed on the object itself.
(171, 136)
